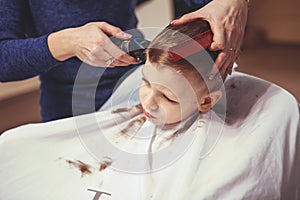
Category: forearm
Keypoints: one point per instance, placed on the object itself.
(24, 58)
(21, 57)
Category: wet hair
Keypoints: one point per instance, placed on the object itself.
(196, 67)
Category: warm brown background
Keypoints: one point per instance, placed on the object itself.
(271, 51)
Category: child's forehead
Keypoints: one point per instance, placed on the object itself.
(161, 74)
(166, 70)
(158, 72)
(167, 76)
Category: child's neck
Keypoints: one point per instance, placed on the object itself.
(181, 124)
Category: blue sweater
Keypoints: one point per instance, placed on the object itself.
(24, 28)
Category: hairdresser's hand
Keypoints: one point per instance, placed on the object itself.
(227, 19)
(90, 44)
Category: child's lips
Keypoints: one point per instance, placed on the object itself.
(148, 115)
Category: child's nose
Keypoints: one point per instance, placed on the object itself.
(154, 107)
(151, 102)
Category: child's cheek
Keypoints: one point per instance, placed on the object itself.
(172, 114)
(142, 93)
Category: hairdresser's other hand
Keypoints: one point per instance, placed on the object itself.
(227, 19)
(90, 44)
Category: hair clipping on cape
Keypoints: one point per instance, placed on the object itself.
(193, 45)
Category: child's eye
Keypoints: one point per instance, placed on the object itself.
(170, 100)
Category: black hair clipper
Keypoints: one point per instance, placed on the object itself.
(135, 47)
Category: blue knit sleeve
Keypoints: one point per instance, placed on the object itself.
(199, 3)
(20, 57)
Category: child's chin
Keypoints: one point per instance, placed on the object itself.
(161, 123)
(156, 121)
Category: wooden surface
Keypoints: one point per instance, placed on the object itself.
(279, 19)
(19, 103)
(16, 88)
(278, 63)
(19, 110)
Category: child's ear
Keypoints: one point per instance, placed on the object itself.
(209, 100)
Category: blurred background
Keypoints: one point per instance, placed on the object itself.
(271, 50)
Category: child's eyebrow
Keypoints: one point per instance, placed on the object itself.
(144, 79)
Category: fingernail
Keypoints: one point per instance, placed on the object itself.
(213, 72)
(126, 35)
(173, 21)
(217, 46)
(211, 76)
(213, 46)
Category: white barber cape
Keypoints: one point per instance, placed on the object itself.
(118, 155)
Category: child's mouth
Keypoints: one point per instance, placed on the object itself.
(148, 115)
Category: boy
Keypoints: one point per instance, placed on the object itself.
(173, 89)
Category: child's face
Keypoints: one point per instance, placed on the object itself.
(166, 96)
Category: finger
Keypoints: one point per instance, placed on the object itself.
(118, 62)
(221, 58)
(126, 58)
(240, 41)
(227, 65)
(233, 46)
(219, 38)
(110, 47)
(82, 55)
(229, 68)
(233, 39)
(97, 57)
(117, 53)
(123, 35)
(98, 53)
(228, 55)
(113, 30)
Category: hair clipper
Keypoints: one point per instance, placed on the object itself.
(135, 47)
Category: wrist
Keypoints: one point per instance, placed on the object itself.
(59, 45)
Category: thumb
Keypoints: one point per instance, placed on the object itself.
(218, 39)
(113, 30)
(188, 18)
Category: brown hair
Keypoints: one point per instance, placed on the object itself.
(194, 67)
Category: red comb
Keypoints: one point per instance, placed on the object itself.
(197, 43)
